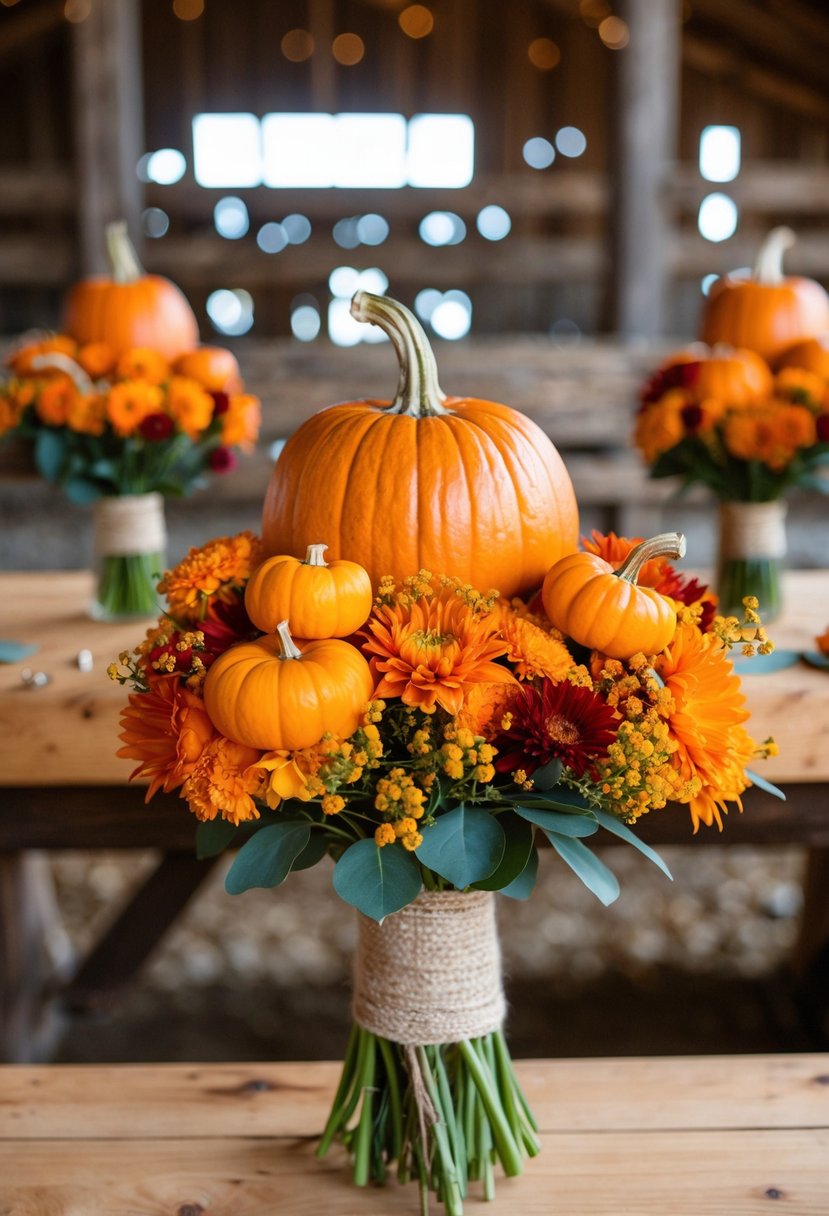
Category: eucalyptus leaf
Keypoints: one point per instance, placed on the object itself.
(519, 842)
(548, 775)
(313, 852)
(49, 454)
(586, 865)
(463, 846)
(213, 836)
(81, 491)
(266, 859)
(611, 824)
(562, 822)
(815, 659)
(523, 886)
(377, 881)
(763, 784)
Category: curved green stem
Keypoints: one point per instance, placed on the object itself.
(666, 544)
(418, 392)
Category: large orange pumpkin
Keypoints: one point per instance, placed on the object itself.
(454, 485)
(811, 355)
(275, 695)
(130, 308)
(769, 311)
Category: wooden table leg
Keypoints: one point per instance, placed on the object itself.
(136, 932)
(33, 951)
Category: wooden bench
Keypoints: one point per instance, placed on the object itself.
(708, 1136)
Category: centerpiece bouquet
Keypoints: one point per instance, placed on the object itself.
(747, 416)
(427, 734)
(124, 409)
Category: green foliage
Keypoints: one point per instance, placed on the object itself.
(563, 822)
(463, 846)
(518, 845)
(377, 881)
(523, 886)
(266, 859)
(213, 837)
(611, 824)
(595, 875)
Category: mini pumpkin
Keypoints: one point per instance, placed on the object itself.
(215, 368)
(811, 355)
(320, 599)
(449, 484)
(738, 377)
(604, 609)
(130, 308)
(769, 311)
(275, 695)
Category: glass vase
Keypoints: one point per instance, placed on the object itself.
(129, 546)
(752, 547)
(428, 1091)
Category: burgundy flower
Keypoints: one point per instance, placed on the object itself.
(221, 403)
(221, 460)
(156, 427)
(691, 417)
(555, 722)
(822, 425)
(226, 624)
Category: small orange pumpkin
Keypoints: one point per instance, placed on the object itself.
(454, 485)
(811, 355)
(275, 695)
(604, 609)
(130, 308)
(320, 599)
(767, 312)
(738, 377)
(215, 368)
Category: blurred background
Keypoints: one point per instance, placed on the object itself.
(552, 185)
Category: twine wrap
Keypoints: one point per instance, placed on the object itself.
(431, 973)
(752, 529)
(129, 524)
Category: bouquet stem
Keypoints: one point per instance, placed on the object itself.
(445, 1113)
(129, 544)
(126, 586)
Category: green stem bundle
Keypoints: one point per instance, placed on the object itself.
(738, 577)
(126, 586)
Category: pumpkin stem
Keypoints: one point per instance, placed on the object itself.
(666, 544)
(289, 648)
(314, 555)
(57, 362)
(418, 391)
(123, 259)
(768, 266)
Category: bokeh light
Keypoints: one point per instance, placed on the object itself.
(188, 10)
(416, 21)
(544, 54)
(155, 222)
(272, 238)
(230, 215)
(614, 33)
(570, 141)
(348, 49)
(539, 153)
(297, 45)
(230, 310)
(493, 222)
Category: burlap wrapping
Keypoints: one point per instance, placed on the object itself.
(130, 524)
(752, 529)
(431, 973)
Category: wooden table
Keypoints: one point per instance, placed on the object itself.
(66, 789)
(709, 1136)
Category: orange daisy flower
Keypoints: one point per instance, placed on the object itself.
(706, 721)
(143, 363)
(224, 781)
(431, 651)
(87, 414)
(659, 427)
(241, 421)
(97, 359)
(215, 572)
(55, 400)
(128, 404)
(167, 729)
(531, 651)
(484, 708)
(190, 405)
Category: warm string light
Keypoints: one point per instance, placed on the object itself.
(297, 45)
(77, 11)
(594, 12)
(544, 54)
(188, 10)
(614, 33)
(348, 49)
(416, 21)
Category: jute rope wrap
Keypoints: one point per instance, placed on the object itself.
(431, 973)
(132, 523)
(752, 529)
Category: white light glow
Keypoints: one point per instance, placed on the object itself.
(372, 229)
(227, 150)
(305, 323)
(344, 232)
(230, 215)
(369, 151)
(298, 149)
(570, 141)
(166, 166)
(539, 153)
(343, 330)
(719, 153)
(441, 151)
(343, 282)
(707, 282)
(231, 311)
(374, 280)
(271, 238)
(297, 229)
(718, 217)
(426, 301)
(442, 228)
(156, 222)
(493, 222)
(453, 316)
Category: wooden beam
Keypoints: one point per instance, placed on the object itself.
(108, 113)
(753, 29)
(773, 87)
(645, 115)
(28, 25)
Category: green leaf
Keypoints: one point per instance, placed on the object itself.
(463, 846)
(548, 775)
(562, 822)
(266, 859)
(762, 784)
(519, 843)
(49, 453)
(593, 873)
(377, 881)
(81, 491)
(523, 886)
(313, 852)
(213, 837)
(614, 825)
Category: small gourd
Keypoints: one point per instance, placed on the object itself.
(275, 695)
(215, 368)
(321, 599)
(605, 609)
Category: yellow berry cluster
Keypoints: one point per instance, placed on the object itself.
(749, 634)
(466, 756)
(402, 802)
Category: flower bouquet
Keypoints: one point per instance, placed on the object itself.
(427, 735)
(122, 411)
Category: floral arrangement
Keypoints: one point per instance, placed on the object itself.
(469, 729)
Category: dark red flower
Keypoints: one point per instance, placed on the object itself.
(156, 427)
(822, 426)
(221, 460)
(688, 591)
(221, 404)
(555, 722)
(691, 417)
(226, 624)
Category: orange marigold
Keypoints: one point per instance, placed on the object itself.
(167, 730)
(706, 721)
(532, 652)
(796, 384)
(223, 782)
(431, 651)
(129, 403)
(190, 405)
(97, 359)
(87, 414)
(241, 421)
(659, 427)
(55, 399)
(143, 363)
(484, 707)
(216, 572)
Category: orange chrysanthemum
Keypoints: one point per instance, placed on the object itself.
(432, 651)
(87, 414)
(55, 400)
(706, 722)
(143, 363)
(167, 729)
(240, 421)
(212, 573)
(659, 427)
(190, 405)
(128, 404)
(484, 707)
(97, 359)
(224, 782)
(532, 652)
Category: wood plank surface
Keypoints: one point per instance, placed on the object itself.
(66, 732)
(694, 1137)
